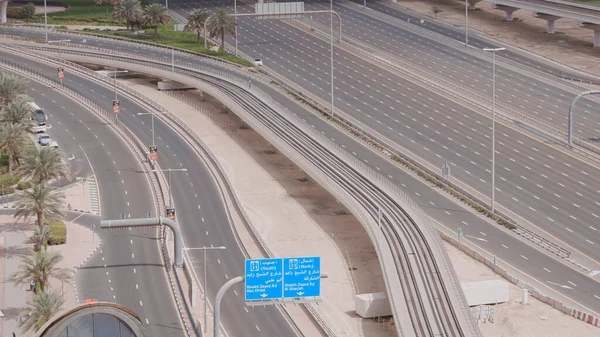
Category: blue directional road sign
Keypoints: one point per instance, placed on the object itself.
(301, 277)
(264, 279)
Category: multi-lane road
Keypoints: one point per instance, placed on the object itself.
(439, 208)
(540, 184)
(200, 213)
(128, 266)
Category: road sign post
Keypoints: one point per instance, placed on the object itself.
(264, 279)
(277, 278)
(301, 277)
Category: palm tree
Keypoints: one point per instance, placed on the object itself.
(128, 10)
(43, 307)
(196, 20)
(13, 139)
(155, 15)
(220, 25)
(42, 164)
(39, 267)
(17, 113)
(12, 88)
(106, 3)
(40, 238)
(40, 201)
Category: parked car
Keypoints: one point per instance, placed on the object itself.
(44, 139)
(258, 62)
(54, 144)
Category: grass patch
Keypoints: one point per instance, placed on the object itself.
(58, 232)
(167, 36)
(587, 2)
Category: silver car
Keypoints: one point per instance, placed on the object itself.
(44, 140)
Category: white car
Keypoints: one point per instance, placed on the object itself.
(258, 62)
(40, 128)
(44, 140)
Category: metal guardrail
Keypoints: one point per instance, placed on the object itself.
(157, 179)
(392, 148)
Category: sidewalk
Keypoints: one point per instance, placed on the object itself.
(13, 248)
(294, 215)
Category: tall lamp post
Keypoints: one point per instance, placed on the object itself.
(466, 23)
(152, 127)
(493, 50)
(331, 56)
(204, 249)
(45, 21)
(115, 81)
(170, 188)
(59, 52)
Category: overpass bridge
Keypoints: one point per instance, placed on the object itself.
(588, 17)
(3, 8)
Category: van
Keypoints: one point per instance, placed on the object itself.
(39, 117)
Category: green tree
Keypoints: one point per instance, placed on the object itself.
(40, 267)
(155, 15)
(13, 139)
(42, 164)
(40, 201)
(196, 20)
(128, 10)
(221, 25)
(27, 11)
(12, 89)
(106, 3)
(41, 309)
(40, 238)
(17, 113)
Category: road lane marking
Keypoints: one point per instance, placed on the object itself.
(142, 304)
(525, 257)
(546, 269)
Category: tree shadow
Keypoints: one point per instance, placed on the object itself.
(11, 252)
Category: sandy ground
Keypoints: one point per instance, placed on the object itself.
(513, 319)
(293, 214)
(570, 44)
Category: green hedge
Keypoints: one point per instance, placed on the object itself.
(23, 185)
(8, 180)
(58, 232)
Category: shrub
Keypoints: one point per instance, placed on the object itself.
(13, 13)
(58, 232)
(27, 11)
(8, 180)
(23, 185)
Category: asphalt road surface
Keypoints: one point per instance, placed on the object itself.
(200, 213)
(539, 184)
(444, 211)
(128, 268)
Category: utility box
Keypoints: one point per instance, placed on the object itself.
(372, 305)
(485, 292)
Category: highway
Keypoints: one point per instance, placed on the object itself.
(539, 184)
(128, 268)
(443, 211)
(199, 209)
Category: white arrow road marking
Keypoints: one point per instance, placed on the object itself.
(476, 238)
(560, 285)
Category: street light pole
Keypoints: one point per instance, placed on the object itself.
(152, 127)
(204, 249)
(235, 22)
(46, 21)
(466, 23)
(170, 186)
(331, 57)
(493, 50)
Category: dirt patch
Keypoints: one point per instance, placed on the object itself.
(513, 318)
(570, 44)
